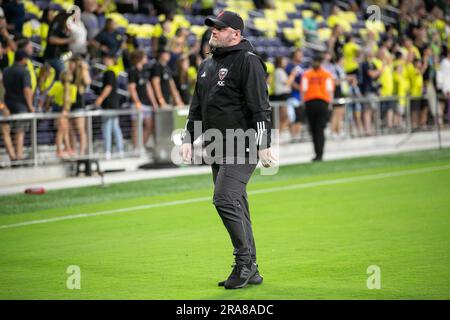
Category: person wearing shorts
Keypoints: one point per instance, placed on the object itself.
(142, 96)
(81, 78)
(18, 100)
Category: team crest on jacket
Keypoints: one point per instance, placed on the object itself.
(223, 73)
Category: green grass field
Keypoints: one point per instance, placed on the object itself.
(318, 227)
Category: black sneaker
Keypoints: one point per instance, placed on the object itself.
(256, 279)
(240, 275)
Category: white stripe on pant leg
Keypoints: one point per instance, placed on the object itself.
(259, 133)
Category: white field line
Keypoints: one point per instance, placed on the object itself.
(201, 199)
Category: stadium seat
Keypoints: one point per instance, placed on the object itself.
(32, 10)
(292, 35)
(180, 21)
(241, 4)
(41, 4)
(307, 14)
(276, 15)
(285, 6)
(349, 16)
(198, 30)
(285, 24)
(118, 18)
(375, 26)
(324, 34)
(268, 27)
(294, 15)
(64, 3)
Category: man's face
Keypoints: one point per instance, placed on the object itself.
(164, 57)
(29, 49)
(298, 55)
(223, 37)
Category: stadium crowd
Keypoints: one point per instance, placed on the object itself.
(58, 58)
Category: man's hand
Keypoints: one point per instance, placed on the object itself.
(267, 158)
(98, 102)
(5, 110)
(186, 152)
(179, 103)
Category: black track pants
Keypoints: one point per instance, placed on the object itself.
(317, 113)
(230, 200)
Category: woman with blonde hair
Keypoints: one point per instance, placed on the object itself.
(62, 95)
(81, 78)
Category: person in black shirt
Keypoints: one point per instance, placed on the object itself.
(163, 83)
(109, 40)
(231, 96)
(369, 74)
(18, 99)
(109, 100)
(15, 11)
(182, 79)
(7, 44)
(141, 94)
(58, 40)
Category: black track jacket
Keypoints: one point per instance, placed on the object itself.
(231, 93)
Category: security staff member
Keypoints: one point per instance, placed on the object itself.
(231, 93)
(317, 92)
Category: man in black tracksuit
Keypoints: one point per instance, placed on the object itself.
(231, 93)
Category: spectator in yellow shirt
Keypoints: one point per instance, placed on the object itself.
(387, 88)
(401, 87)
(351, 55)
(418, 103)
(409, 45)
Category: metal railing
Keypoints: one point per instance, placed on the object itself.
(40, 146)
(378, 118)
(41, 151)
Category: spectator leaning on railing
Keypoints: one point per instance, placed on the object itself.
(341, 91)
(162, 80)
(81, 78)
(25, 45)
(370, 71)
(141, 95)
(18, 99)
(295, 108)
(282, 92)
(109, 100)
(62, 96)
(183, 78)
(387, 87)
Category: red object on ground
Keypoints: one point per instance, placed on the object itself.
(38, 190)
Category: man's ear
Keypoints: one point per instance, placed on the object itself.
(238, 34)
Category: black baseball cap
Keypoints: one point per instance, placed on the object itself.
(226, 19)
